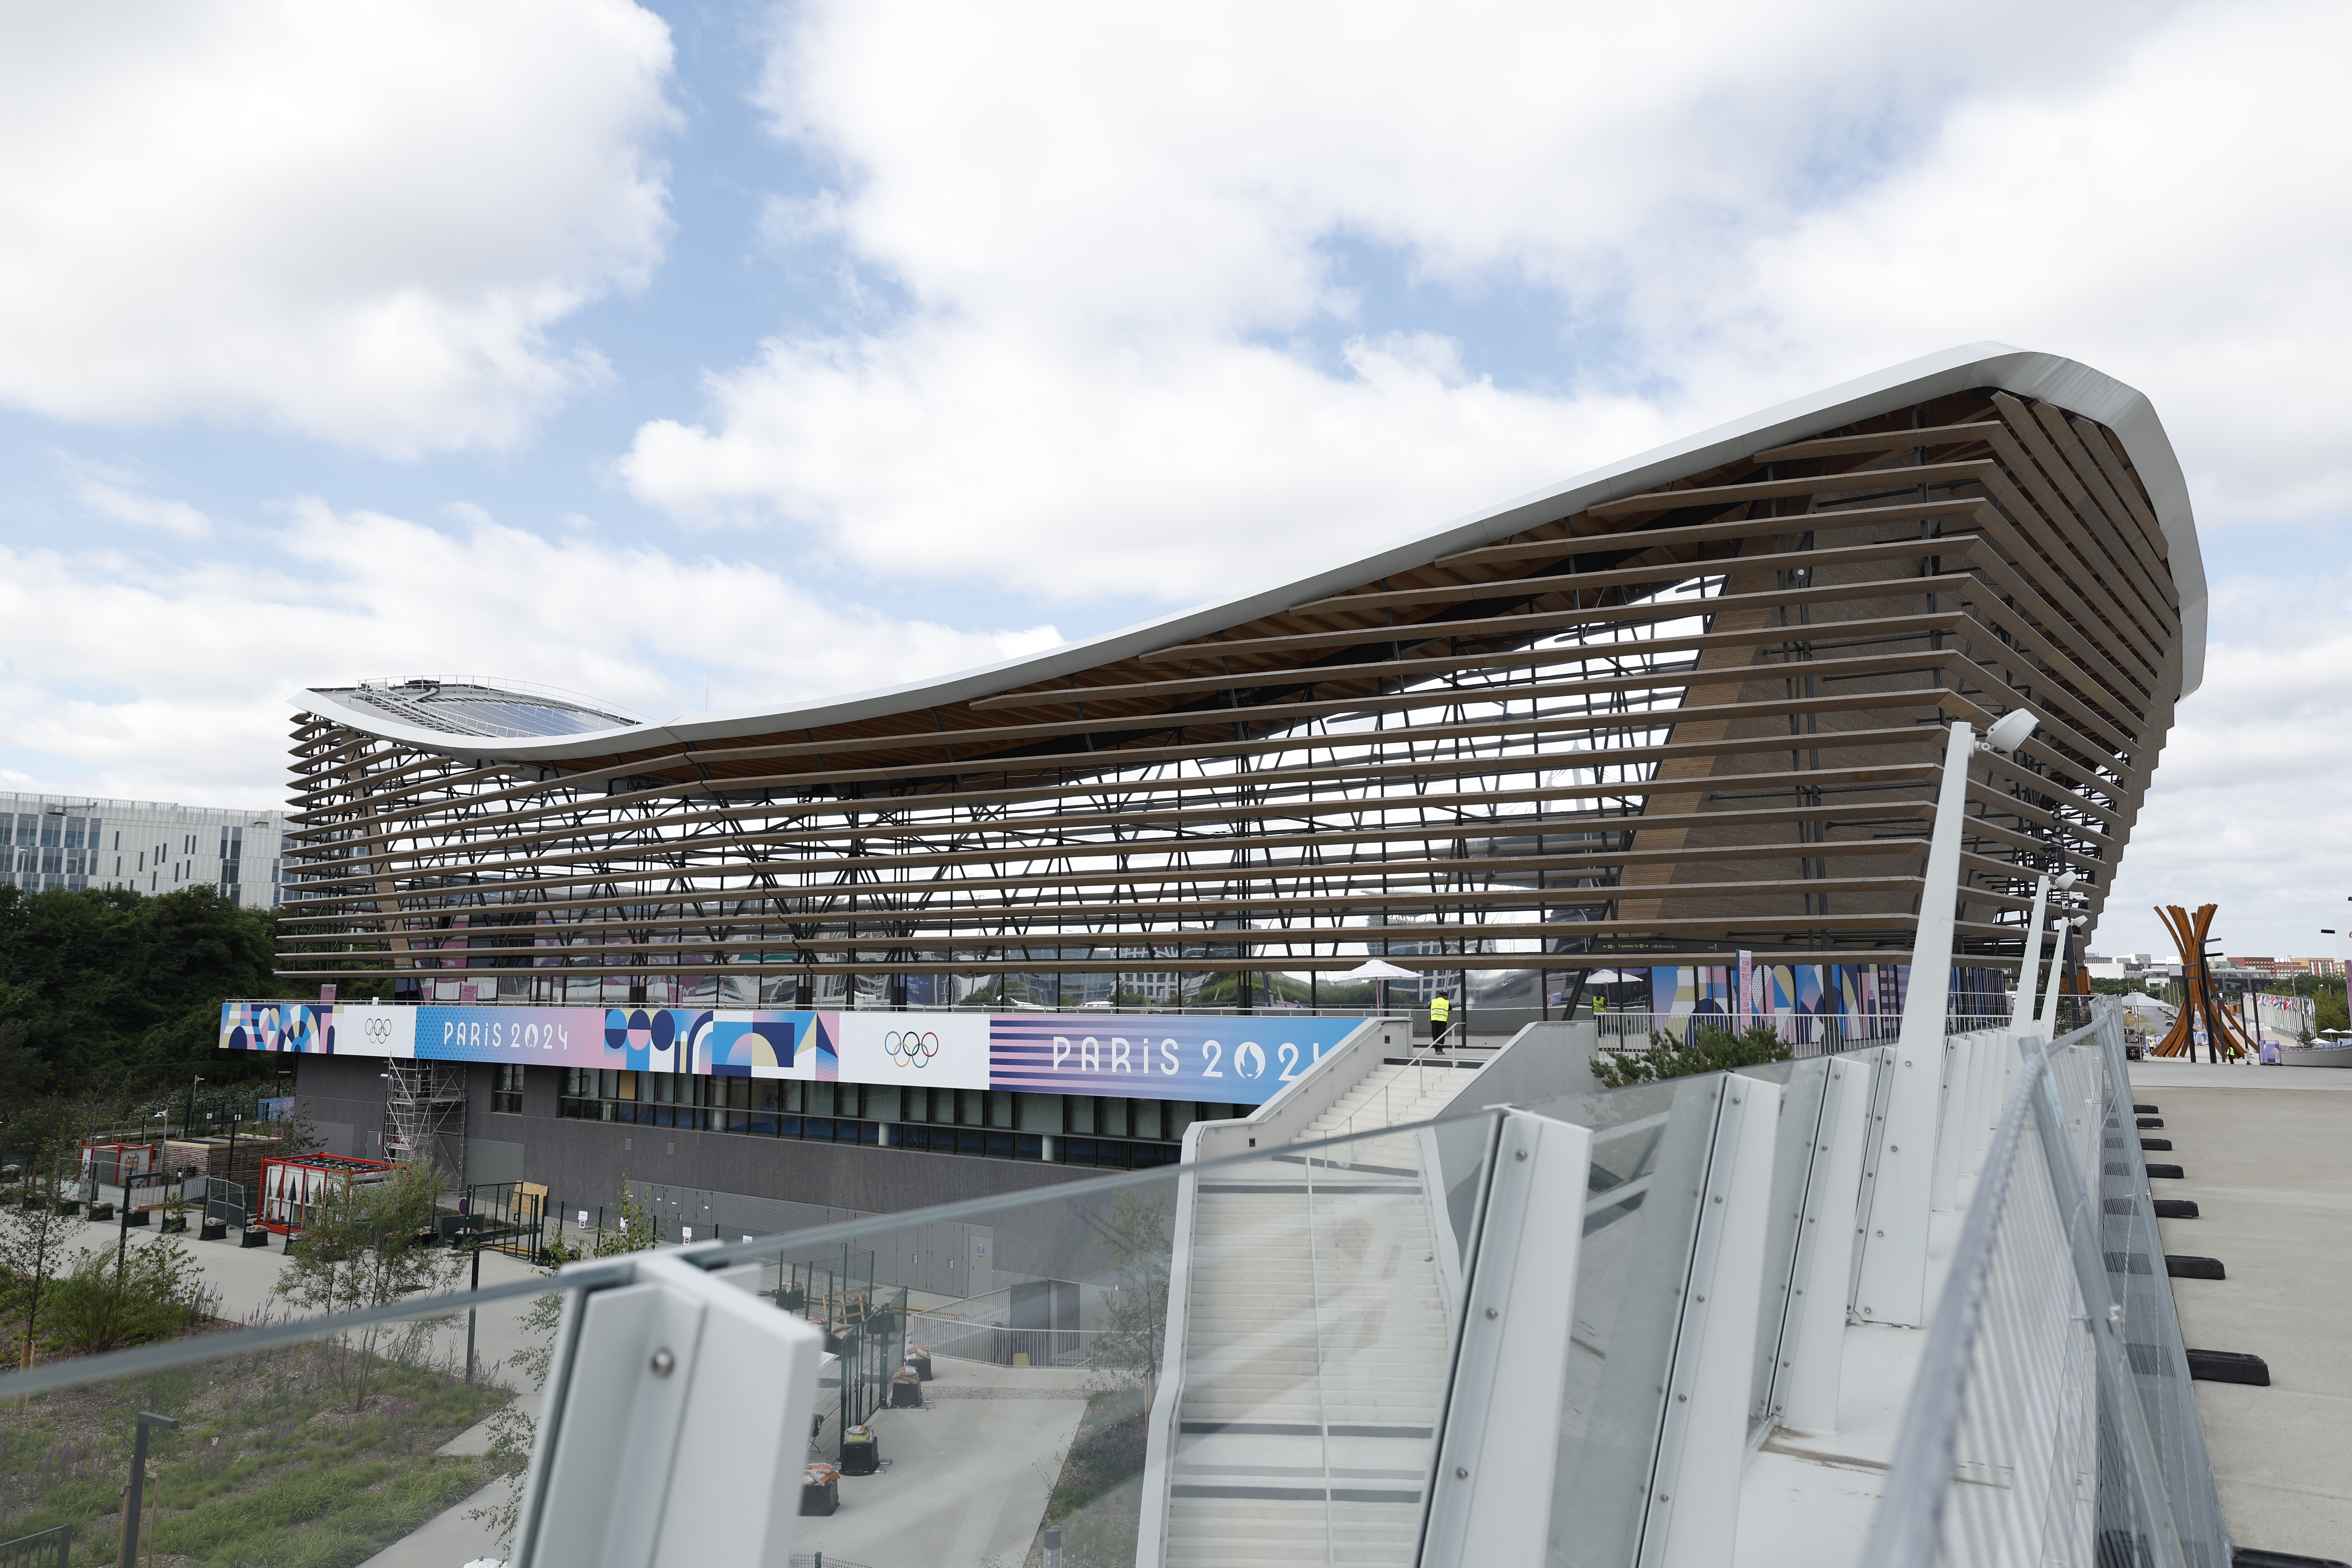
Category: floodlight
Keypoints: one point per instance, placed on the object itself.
(2079, 921)
(2066, 880)
(2012, 729)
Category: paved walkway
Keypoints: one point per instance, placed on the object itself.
(2268, 1156)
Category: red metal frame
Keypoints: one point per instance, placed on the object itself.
(284, 1213)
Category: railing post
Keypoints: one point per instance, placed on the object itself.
(1893, 1280)
(2048, 1021)
(2029, 970)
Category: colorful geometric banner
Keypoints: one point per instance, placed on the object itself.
(1237, 1060)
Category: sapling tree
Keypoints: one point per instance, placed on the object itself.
(359, 1249)
(1134, 1239)
(32, 1236)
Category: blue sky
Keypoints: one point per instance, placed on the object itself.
(763, 352)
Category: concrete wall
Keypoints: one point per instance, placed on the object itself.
(1543, 1062)
(582, 1164)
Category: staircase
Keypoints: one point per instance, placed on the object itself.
(1315, 1346)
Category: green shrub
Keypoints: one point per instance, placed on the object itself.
(1711, 1048)
(154, 1293)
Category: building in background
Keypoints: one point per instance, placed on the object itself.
(73, 842)
(1685, 717)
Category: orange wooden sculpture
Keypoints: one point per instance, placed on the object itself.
(2201, 1005)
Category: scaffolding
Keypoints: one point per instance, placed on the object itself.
(424, 1112)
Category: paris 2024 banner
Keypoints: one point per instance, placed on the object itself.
(1243, 1060)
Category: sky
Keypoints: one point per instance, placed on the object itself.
(694, 357)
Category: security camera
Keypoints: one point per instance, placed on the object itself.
(2012, 729)
(2066, 880)
(2079, 921)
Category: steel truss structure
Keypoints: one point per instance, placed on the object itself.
(1688, 706)
(425, 1110)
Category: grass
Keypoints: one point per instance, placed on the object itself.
(1097, 1499)
(313, 1456)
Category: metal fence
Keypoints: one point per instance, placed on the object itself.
(225, 1202)
(1000, 1343)
(47, 1549)
(2053, 1420)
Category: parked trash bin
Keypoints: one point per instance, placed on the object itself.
(860, 1454)
(820, 1489)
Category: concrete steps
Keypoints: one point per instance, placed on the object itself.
(1315, 1338)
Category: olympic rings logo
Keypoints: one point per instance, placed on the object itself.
(908, 1049)
(379, 1030)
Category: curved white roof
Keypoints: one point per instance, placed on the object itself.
(2046, 377)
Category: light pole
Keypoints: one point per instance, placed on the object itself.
(188, 1123)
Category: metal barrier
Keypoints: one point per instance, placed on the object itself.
(512, 1216)
(1001, 1343)
(2053, 1420)
(45, 1549)
(225, 1201)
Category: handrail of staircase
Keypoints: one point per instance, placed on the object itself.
(1160, 1432)
(1416, 1060)
(1159, 1436)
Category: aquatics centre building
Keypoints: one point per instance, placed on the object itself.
(1681, 718)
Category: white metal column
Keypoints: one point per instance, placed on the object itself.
(1893, 1281)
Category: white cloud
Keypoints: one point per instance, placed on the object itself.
(1179, 474)
(172, 681)
(360, 222)
(2246, 811)
(2163, 220)
(1103, 218)
(111, 496)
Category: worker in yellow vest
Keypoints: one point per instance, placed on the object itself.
(1441, 1014)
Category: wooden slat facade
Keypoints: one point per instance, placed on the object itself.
(1665, 728)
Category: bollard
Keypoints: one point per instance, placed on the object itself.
(1053, 1546)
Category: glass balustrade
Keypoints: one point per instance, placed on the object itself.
(1181, 1365)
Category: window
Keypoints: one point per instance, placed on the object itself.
(506, 1088)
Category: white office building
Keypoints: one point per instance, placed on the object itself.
(72, 842)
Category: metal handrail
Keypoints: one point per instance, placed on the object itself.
(1964, 1388)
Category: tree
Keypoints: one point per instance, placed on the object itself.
(1711, 1048)
(359, 1249)
(512, 1430)
(32, 1236)
(117, 989)
(1134, 1333)
(105, 1301)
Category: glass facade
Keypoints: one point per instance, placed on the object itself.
(70, 845)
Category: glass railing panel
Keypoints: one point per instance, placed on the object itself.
(1136, 1362)
(1797, 1142)
(1651, 1145)
(252, 1448)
